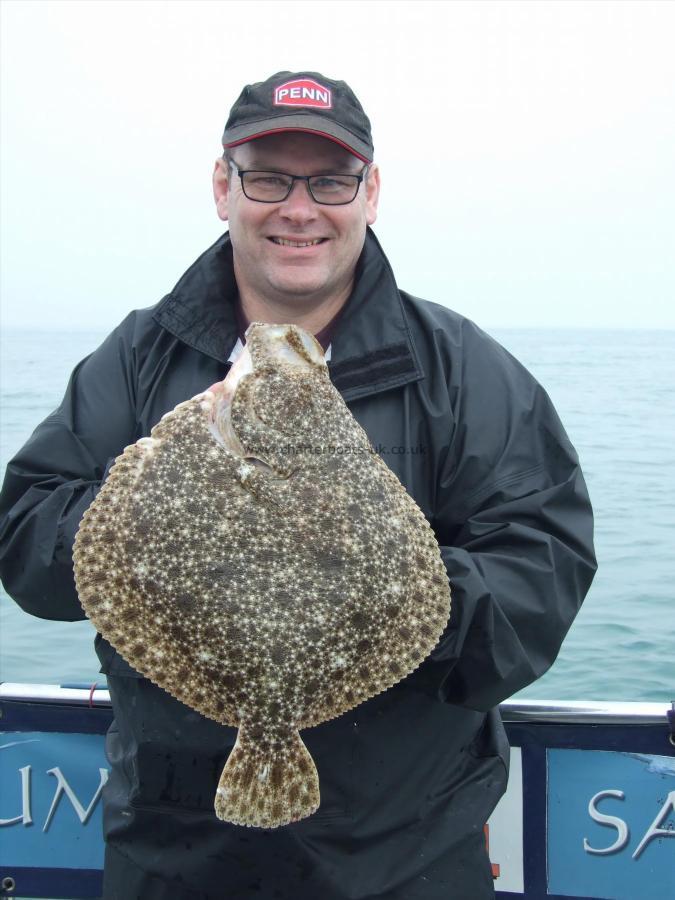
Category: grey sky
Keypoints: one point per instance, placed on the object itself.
(526, 148)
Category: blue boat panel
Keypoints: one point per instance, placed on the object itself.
(611, 822)
(68, 884)
(50, 809)
(18, 715)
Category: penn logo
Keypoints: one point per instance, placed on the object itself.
(303, 92)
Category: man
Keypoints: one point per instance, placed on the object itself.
(409, 778)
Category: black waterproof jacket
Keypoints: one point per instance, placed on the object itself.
(408, 778)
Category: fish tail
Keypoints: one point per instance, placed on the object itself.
(265, 789)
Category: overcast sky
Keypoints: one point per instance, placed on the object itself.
(526, 148)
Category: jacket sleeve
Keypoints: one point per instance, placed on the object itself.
(515, 525)
(52, 480)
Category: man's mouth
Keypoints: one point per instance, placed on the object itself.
(285, 243)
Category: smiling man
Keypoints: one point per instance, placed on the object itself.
(410, 777)
(296, 245)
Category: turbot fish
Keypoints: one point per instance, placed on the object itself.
(255, 558)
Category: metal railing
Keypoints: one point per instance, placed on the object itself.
(544, 711)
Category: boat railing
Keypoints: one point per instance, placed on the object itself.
(603, 712)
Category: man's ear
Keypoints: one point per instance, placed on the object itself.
(372, 193)
(221, 187)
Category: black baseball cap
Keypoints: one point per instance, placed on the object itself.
(301, 101)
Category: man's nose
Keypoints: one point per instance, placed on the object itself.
(299, 206)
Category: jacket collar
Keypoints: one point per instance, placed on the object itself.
(372, 349)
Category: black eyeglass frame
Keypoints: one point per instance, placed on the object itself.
(307, 178)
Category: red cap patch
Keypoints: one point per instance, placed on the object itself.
(303, 92)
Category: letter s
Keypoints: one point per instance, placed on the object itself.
(613, 821)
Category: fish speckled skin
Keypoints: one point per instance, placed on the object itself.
(257, 560)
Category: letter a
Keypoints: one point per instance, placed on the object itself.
(655, 829)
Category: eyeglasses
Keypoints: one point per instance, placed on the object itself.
(275, 187)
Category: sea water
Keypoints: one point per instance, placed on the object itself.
(615, 393)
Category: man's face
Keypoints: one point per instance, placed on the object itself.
(303, 276)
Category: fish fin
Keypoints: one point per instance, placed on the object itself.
(265, 790)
